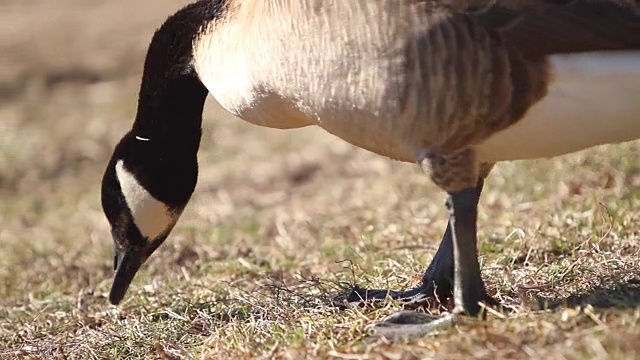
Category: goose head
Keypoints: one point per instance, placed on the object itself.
(144, 191)
(153, 170)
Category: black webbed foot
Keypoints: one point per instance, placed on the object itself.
(437, 282)
(405, 325)
(413, 297)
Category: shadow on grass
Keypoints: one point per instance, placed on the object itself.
(622, 295)
(273, 301)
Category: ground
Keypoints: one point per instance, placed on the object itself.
(280, 221)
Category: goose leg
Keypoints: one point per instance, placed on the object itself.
(437, 280)
(468, 289)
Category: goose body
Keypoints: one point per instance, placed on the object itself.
(386, 85)
(455, 86)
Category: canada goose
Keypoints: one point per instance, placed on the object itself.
(453, 86)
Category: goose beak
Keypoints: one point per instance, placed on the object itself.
(126, 263)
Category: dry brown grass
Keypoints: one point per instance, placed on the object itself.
(280, 220)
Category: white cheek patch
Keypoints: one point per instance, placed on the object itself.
(152, 217)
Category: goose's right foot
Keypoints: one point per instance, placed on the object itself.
(437, 282)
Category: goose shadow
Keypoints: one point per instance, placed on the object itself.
(619, 295)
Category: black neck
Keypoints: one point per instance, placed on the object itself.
(171, 117)
(171, 98)
(161, 148)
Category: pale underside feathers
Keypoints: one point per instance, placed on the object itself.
(592, 99)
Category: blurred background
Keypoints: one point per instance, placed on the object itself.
(285, 202)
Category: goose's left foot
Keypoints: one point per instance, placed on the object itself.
(408, 324)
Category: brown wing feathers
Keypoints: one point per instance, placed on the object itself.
(539, 28)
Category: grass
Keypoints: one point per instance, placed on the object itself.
(280, 221)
